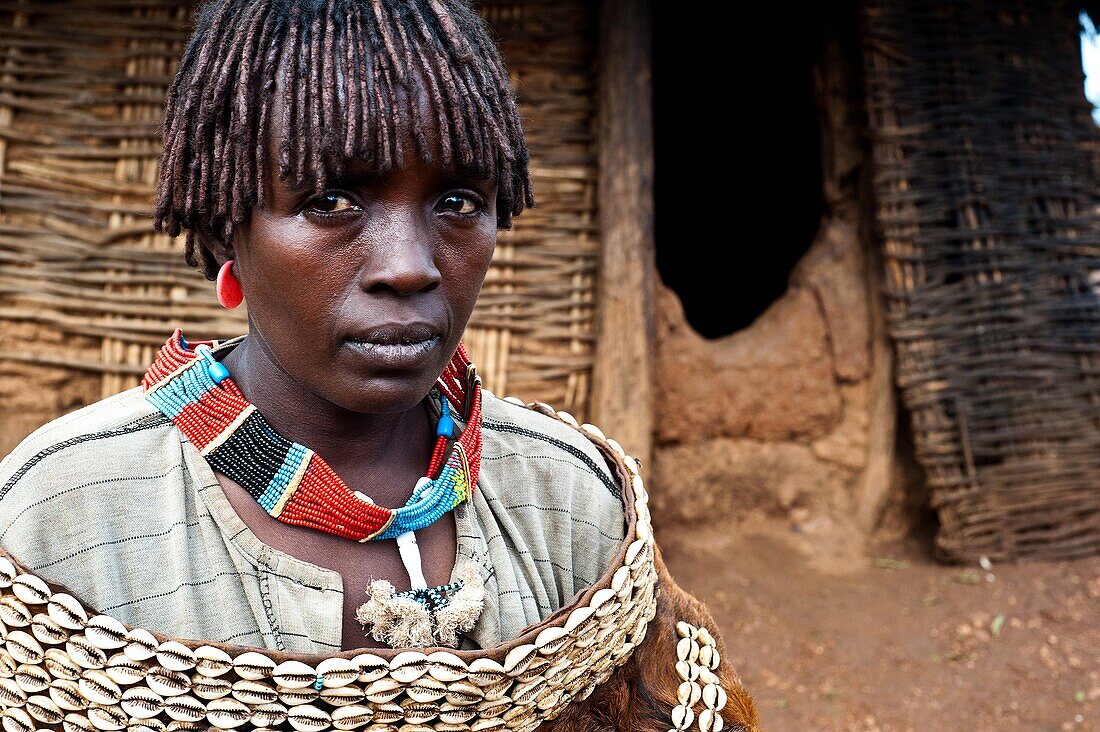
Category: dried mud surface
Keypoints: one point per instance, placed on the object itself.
(887, 639)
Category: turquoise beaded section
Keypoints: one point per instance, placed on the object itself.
(278, 485)
(184, 390)
(427, 504)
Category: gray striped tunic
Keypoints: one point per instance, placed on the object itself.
(114, 503)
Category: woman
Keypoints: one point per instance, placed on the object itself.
(344, 168)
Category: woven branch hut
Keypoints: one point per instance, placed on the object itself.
(854, 281)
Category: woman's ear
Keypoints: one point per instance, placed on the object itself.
(221, 250)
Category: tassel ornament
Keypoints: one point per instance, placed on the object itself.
(424, 617)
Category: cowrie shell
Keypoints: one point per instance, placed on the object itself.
(711, 721)
(386, 713)
(66, 694)
(227, 713)
(341, 696)
(551, 639)
(253, 665)
(42, 709)
(682, 717)
(206, 687)
(714, 696)
(463, 693)
(268, 715)
(32, 679)
(485, 672)
(123, 670)
(524, 694)
(593, 430)
(140, 645)
(97, 687)
(146, 725)
(76, 723)
(7, 572)
(141, 702)
(211, 661)
(166, 682)
(103, 631)
(444, 666)
(688, 693)
(14, 613)
(687, 650)
(425, 689)
(687, 671)
(16, 720)
(337, 672)
(24, 648)
(408, 666)
(705, 638)
(519, 658)
(106, 718)
(10, 694)
(352, 717)
(31, 589)
(184, 708)
(569, 419)
(295, 697)
(294, 675)
(457, 716)
(60, 666)
(371, 667)
(308, 718)
(8, 664)
(175, 656)
(47, 630)
(254, 692)
(67, 611)
(383, 690)
(417, 713)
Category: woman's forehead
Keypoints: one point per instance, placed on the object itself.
(339, 165)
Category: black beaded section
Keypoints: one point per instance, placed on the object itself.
(433, 598)
(252, 454)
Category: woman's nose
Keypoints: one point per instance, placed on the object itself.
(403, 263)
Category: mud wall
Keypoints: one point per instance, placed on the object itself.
(795, 416)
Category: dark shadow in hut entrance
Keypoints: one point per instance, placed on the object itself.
(737, 172)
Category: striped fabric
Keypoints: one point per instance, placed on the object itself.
(114, 503)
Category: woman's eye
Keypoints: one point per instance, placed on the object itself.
(331, 203)
(460, 203)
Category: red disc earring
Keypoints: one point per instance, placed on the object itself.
(227, 287)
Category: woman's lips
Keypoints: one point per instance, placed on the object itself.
(397, 345)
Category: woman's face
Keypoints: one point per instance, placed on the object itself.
(362, 294)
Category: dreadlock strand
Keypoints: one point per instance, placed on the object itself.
(301, 111)
(413, 90)
(352, 86)
(272, 40)
(455, 37)
(330, 104)
(430, 62)
(393, 74)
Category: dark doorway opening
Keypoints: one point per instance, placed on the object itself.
(737, 156)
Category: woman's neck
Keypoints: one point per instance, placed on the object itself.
(378, 453)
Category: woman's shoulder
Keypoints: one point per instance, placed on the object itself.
(90, 439)
(525, 441)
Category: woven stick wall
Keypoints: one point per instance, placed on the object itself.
(86, 286)
(987, 205)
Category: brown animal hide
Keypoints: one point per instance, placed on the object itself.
(640, 696)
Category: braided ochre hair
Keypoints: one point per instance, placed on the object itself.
(352, 72)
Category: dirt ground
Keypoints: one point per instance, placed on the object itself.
(887, 639)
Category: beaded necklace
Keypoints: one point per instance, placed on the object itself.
(291, 482)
